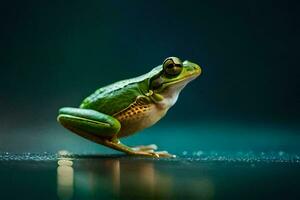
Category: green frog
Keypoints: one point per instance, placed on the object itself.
(128, 106)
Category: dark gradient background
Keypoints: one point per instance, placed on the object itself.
(55, 53)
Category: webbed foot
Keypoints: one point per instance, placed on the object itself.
(149, 150)
(145, 147)
(153, 154)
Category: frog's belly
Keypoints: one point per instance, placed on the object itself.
(138, 117)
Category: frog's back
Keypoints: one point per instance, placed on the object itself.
(112, 98)
(118, 96)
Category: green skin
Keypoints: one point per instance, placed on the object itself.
(125, 107)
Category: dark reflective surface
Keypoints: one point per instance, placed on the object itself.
(55, 53)
(203, 176)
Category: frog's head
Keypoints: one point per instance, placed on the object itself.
(173, 77)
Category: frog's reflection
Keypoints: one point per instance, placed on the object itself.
(65, 179)
(118, 177)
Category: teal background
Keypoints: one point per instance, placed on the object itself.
(55, 53)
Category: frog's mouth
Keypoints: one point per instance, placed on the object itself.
(185, 79)
(180, 83)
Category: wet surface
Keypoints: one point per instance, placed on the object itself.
(214, 161)
(195, 175)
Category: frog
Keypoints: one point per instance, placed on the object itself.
(126, 107)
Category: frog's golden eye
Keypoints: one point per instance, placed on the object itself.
(172, 66)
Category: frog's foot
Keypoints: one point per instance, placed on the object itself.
(148, 148)
(147, 151)
(153, 154)
(164, 154)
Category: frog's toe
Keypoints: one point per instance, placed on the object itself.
(153, 154)
(159, 154)
(164, 154)
(147, 148)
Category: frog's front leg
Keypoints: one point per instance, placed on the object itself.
(102, 129)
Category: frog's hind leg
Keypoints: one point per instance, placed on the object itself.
(89, 124)
(102, 129)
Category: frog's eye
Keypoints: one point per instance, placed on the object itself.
(172, 66)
